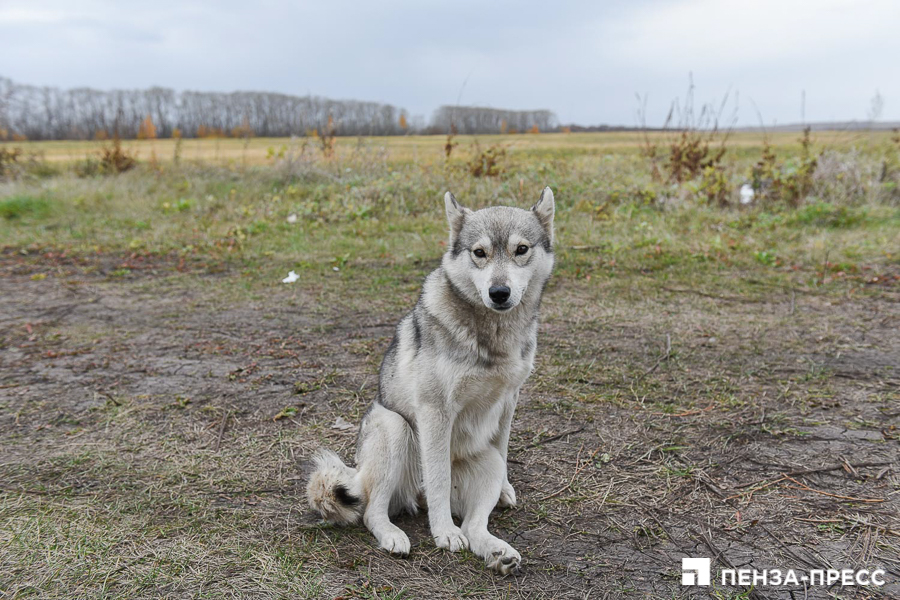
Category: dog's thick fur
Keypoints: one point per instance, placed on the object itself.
(449, 384)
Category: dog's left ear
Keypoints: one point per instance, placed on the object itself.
(544, 209)
(456, 214)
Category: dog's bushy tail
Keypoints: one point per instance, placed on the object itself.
(333, 490)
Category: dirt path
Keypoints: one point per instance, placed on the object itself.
(156, 434)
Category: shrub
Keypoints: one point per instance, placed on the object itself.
(89, 167)
(293, 160)
(176, 153)
(243, 131)
(714, 185)
(890, 169)
(15, 163)
(115, 159)
(690, 155)
(846, 177)
(40, 168)
(9, 162)
(788, 181)
(691, 135)
(488, 162)
(326, 138)
(449, 145)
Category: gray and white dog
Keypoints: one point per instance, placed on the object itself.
(449, 384)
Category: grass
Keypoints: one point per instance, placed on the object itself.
(163, 388)
(350, 213)
(18, 207)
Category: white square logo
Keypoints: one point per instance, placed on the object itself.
(695, 571)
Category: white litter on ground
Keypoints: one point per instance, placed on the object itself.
(342, 423)
(291, 278)
(747, 193)
(292, 218)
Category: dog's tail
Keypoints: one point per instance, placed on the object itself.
(334, 491)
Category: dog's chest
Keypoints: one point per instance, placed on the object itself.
(481, 394)
(482, 384)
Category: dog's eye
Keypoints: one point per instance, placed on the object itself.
(479, 253)
(522, 249)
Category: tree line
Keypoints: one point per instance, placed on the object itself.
(49, 113)
(479, 119)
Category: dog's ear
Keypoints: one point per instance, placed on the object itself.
(456, 215)
(544, 209)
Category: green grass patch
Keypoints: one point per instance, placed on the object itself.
(22, 206)
(824, 214)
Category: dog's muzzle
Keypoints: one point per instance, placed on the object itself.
(499, 294)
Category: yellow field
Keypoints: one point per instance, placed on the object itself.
(425, 148)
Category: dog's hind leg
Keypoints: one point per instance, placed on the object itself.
(477, 482)
(384, 459)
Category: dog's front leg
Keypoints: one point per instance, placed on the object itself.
(501, 442)
(435, 429)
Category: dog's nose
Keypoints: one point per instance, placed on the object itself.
(499, 293)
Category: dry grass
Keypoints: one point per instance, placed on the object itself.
(711, 381)
(151, 462)
(423, 147)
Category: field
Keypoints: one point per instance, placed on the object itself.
(430, 148)
(712, 379)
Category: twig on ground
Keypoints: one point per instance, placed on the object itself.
(553, 438)
(824, 267)
(663, 358)
(812, 471)
(686, 413)
(787, 550)
(718, 555)
(756, 488)
(830, 495)
(852, 522)
(222, 430)
(578, 470)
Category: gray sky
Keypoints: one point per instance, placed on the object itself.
(584, 60)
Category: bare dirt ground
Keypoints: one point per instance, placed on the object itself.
(155, 431)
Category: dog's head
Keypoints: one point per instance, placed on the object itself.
(496, 255)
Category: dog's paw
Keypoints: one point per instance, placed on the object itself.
(451, 538)
(497, 554)
(395, 542)
(504, 559)
(507, 496)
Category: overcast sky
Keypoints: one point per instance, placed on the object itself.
(584, 60)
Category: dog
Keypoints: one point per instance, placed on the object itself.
(448, 387)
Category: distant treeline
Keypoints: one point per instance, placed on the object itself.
(41, 113)
(47, 113)
(477, 119)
